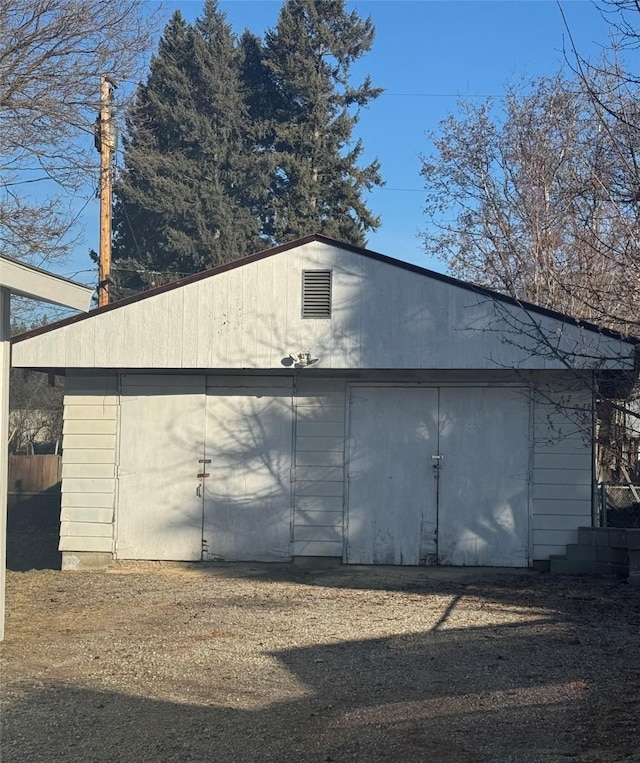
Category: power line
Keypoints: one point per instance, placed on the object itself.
(66, 230)
(444, 95)
(399, 190)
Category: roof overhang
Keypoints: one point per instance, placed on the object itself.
(28, 281)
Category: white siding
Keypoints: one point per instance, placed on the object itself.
(383, 316)
(561, 457)
(161, 439)
(319, 467)
(247, 497)
(88, 462)
(562, 465)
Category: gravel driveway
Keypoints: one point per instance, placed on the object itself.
(279, 663)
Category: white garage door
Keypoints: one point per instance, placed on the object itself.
(483, 499)
(393, 433)
(159, 514)
(450, 464)
(247, 509)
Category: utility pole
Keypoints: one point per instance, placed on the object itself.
(105, 143)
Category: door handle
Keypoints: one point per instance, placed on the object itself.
(199, 490)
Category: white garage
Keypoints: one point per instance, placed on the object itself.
(322, 400)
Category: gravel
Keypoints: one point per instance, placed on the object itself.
(162, 662)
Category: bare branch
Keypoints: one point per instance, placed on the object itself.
(52, 54)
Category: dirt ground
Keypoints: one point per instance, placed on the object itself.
(280, 663)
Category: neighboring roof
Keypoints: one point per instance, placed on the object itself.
(35, 283)
(348, 247)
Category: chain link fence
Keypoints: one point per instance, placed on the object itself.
(620, 505)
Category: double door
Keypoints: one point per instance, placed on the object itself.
(438, 475)
(204, 471)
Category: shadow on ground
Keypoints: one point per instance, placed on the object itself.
(538, 689)
(369, 701)
(33, 531)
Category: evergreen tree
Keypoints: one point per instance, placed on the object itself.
(184, 200)
(308, 120)
(233, 146)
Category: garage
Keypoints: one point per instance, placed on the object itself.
(322, 401)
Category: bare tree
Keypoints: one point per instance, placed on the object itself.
(35, 417)
(52, 54)
(534, 199)
(611, 83)
(539, 197)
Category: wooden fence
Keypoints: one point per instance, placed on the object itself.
(33, 474)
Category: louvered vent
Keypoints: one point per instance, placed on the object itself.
(316, 294)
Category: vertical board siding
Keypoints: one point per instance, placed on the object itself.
(88, 462)
(562, 465)
(383, 317)
(319, 467)
(247, 496)
(161, 442)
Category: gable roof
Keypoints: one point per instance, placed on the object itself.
(317, 237)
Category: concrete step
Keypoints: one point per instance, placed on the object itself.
(593, 536)
(615, 537)
(586, 567)
(581, 552)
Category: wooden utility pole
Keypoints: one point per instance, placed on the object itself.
(105, 143)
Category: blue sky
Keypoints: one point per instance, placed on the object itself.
(426, 54)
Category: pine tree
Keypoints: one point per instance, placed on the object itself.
(184, 200)
(317, 185)
(234, 146)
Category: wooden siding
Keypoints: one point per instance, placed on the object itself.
(247, 497)
(88, 462)
(161, 439)
(561, 458)
(562, 465)
(319, 467)
(383, 316)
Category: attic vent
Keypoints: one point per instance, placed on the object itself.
(316, 294)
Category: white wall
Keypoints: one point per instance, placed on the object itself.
(562, 465)
(88, 463)
(561, 458)
(383, 317)
(319, 467)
